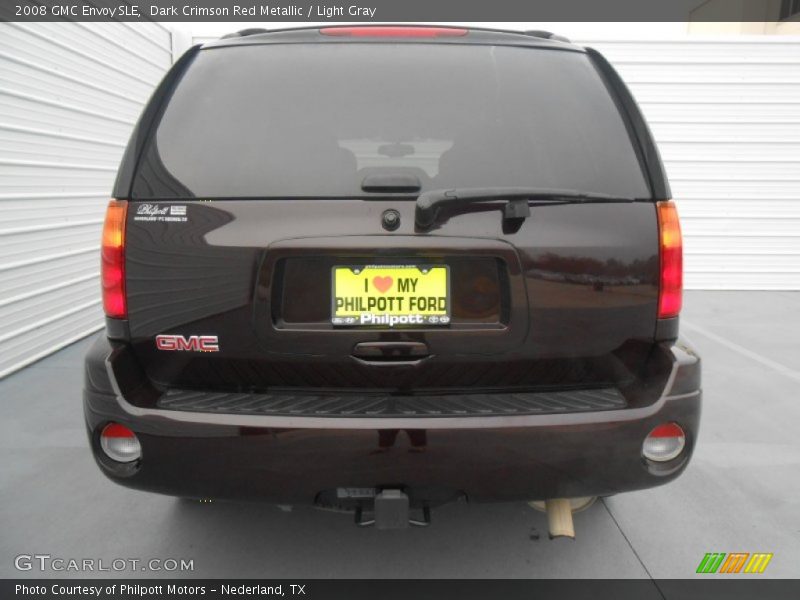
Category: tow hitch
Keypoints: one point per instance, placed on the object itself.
(391, 507)
(391, 511)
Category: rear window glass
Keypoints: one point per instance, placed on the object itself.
(312, 120)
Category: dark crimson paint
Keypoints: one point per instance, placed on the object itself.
(555, 365)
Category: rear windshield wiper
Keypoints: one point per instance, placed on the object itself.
(429, 203)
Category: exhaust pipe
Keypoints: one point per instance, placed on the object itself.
(559, 518)
(559, 514)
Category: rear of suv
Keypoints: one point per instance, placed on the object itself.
(353, 265)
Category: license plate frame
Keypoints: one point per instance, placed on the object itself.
(402, 307)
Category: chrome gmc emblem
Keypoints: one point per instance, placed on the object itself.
(193, 343)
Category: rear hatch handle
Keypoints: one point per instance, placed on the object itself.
(517, 200)
(391, 352)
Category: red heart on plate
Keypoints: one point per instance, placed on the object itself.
(382, 284)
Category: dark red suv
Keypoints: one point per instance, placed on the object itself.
(384, 268)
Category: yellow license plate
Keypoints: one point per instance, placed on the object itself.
(390, 296)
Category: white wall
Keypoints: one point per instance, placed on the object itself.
(70, 94)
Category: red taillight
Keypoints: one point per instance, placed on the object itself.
(394, 31)
(670, 295)
(112, 271)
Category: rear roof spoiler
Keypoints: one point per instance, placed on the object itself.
(245, 33)
(540, 33)
(477, 35)
(548, 35)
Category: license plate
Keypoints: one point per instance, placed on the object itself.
(391, 296)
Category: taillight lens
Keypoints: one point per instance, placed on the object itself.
(394, 31)
(670, 296)
(112, 269)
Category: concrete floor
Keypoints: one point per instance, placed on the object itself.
(740, 494)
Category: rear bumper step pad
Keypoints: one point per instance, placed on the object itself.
(385, 405)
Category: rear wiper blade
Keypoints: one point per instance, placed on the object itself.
(429, 203)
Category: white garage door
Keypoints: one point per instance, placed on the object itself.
(69, 97)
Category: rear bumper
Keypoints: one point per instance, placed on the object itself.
(291, 459)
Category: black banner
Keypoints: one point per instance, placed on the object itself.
(435, 589)
(388, 10)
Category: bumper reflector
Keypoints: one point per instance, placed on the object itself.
(120, 443)
(664, 443)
